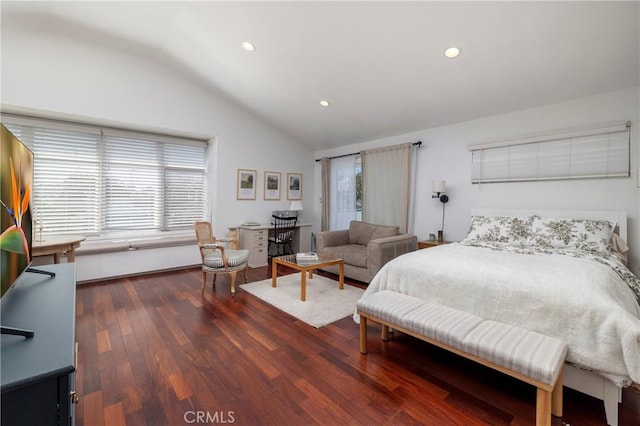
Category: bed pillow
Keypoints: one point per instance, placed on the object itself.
(573, 234)
(512, 230)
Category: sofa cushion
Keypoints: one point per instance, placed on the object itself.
(363, 232)
(352, 254)
(384, 231)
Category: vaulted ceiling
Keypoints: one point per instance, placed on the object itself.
(380, 65)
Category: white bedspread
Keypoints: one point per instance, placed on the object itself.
(581, 301)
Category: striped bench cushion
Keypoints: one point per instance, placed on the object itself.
(437, 322)
(389, 305)
(524, 351)
(441, 323)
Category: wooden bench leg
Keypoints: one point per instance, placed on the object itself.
(385, 332)
(543, 407)
(363, 334)
(556, 397)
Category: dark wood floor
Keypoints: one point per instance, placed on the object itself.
(154, 351)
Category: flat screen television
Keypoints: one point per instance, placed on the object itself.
(16, 182)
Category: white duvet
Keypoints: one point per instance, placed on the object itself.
(579, 300)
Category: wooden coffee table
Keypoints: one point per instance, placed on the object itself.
(305, 268)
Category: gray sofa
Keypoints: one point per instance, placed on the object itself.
(364, 247)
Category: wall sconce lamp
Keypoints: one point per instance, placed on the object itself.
(439, 189)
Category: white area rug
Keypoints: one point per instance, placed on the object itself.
(325, 302)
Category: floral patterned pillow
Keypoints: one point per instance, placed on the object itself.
(512, 230)
(572, 234)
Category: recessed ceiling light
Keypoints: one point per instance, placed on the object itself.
(324, 103)
(452, 52)
(248, 46)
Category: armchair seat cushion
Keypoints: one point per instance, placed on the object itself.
(234, 258)
(351, 254)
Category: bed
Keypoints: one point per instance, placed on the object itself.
(559, 273)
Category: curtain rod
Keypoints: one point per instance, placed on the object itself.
(418, 144)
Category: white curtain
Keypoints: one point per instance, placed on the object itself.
(388, 180)
(325, 164)
(343, 201)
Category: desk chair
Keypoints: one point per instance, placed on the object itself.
(282, 239)
(217, 259)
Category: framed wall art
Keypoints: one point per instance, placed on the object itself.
(272, 185)
(294, 186)
(246, 185)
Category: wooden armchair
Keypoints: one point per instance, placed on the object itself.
(218, 259)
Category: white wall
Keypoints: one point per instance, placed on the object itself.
(444, 155)
(66, 77)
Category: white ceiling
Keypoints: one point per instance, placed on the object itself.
(379, 64)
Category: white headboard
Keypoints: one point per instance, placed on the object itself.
(617, 216)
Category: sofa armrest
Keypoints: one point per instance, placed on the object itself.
(331, 239)
(382, 250)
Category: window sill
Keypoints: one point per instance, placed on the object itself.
(103, 246)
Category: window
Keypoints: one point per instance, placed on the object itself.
(346, 191)
(102, 181)
(588, 153)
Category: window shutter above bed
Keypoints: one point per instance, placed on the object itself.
(572, 154)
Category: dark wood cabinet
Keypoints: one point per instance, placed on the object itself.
(38, 373)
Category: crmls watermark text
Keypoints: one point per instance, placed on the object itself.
(203, 417)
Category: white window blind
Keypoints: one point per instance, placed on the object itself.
(576, 154)
(98, 181)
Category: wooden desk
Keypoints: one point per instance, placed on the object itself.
(57, 245)
(256, 240)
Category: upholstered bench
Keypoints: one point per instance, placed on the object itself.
(526, 355)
